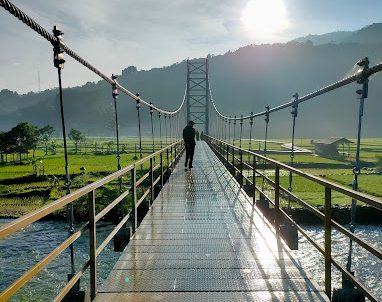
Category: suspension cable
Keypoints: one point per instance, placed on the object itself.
(165, 126)
(171, 121)
(250, 135)
(225, 129)
(266, 130)
(265, 143)
(139, 127)
(18, 13)
(152, 129)
(115, 96)
(229, 129)
(234, 131)
(221, 128)
(363, 94)
(170, 128)
(241, 130)
(294, 115)
(58, 63)
(358, 76)
(160, 130)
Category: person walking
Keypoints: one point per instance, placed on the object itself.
(189, 141)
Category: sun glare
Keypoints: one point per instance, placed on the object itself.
(264, 17)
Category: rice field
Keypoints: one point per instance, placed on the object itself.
(97, 159)
(31, 184)
(338, 170)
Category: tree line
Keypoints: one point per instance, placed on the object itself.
(26, 137)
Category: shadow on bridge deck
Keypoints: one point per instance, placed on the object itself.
(203, 240)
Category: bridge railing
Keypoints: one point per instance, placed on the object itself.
(162, 160)
(238, 160)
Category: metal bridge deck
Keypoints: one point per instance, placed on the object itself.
(203, 240)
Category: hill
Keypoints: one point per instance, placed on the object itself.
(371, 34)
(244, 80)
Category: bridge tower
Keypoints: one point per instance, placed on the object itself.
(198, 92)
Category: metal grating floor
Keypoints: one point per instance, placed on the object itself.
(203, 240)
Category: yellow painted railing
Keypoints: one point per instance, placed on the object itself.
(236, 162)
(168, 156)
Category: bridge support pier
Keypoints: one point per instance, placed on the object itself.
(348, 293)
(122, 238)
(262, 203)
(248, 188)
(289, 233)
(74, 295)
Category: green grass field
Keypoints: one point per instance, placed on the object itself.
(337, 170)
(20, 192)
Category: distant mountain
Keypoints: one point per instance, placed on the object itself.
(334, 37)
(371, 34)
(242, 81)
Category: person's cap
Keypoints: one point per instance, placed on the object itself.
(191, 122)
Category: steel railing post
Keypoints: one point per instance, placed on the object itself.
(328, 241)
(92, 245)
(134, 194)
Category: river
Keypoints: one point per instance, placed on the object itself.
(18, 252)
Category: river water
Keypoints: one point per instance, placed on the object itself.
(18, 252)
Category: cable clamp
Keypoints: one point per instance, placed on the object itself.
(114, 87)
(68, 183)
(138, 100)
(356, 171)
(58, 51)
(267, 114)
(295, 105)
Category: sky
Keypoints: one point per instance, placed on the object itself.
(115, 34)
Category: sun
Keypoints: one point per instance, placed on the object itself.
(264, 17)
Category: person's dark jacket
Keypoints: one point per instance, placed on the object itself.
(189, 135)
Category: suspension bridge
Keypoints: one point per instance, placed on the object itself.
(217, 232)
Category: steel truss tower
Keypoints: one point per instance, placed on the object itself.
(198, 93)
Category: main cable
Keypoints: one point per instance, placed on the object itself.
(19, 14)
(358, 76)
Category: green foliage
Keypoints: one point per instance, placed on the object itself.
(76, 136)
(45, 133)
(24, 137)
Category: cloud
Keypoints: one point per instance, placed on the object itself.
(117, 33)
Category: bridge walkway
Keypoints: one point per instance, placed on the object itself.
(203, 240)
